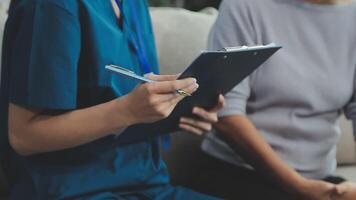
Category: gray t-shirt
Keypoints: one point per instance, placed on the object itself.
(295, 98)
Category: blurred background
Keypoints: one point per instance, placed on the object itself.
(194, 5)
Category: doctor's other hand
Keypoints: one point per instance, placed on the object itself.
(204, 122)
(152, 102)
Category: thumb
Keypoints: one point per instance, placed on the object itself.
(219, 105)
(156, 77)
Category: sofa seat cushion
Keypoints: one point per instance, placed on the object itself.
(348, 172)
(346, 151)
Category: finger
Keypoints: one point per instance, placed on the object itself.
(156, 77)
(172, 86)
(342, 188)
(174, 98)
(331, 190)
(202, 125)
(163, 98)
(211, 117)
(220, 105)
(191, 89)
(329, 186)
(171, 103)
(191, 129)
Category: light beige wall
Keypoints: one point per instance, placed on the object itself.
(4, 5)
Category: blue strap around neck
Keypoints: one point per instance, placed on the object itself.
(136, 38)
(139, 45)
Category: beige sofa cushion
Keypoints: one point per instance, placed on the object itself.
(4, 4)
(180, 37)
(346, 153)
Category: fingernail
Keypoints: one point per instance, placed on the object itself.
(146, 75)
(195, 87)
(195, 110)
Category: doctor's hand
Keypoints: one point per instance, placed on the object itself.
(204, 122)
(152, 102)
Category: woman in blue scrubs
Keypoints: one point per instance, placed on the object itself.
(60, 109)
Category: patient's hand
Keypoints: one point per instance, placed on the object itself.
(206, 119)
(347, 191)
(316, 190)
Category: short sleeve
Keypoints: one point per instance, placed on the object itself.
(44, 57)
(236, 100)
(234, 27)
(350, 109)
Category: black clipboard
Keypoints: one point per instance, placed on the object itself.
(217, 72)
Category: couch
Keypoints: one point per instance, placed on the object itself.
(180, 36)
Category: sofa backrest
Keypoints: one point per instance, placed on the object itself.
(4, 4)
(180, 37)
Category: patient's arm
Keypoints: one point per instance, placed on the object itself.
(244, 138)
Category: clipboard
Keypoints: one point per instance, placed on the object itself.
(217, 72)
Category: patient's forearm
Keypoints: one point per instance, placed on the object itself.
(32, 132)
(244, 138)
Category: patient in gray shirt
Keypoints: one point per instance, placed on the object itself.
(283, 118)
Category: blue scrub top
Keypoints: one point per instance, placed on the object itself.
(53, 58)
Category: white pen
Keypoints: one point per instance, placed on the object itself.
(133, 75)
